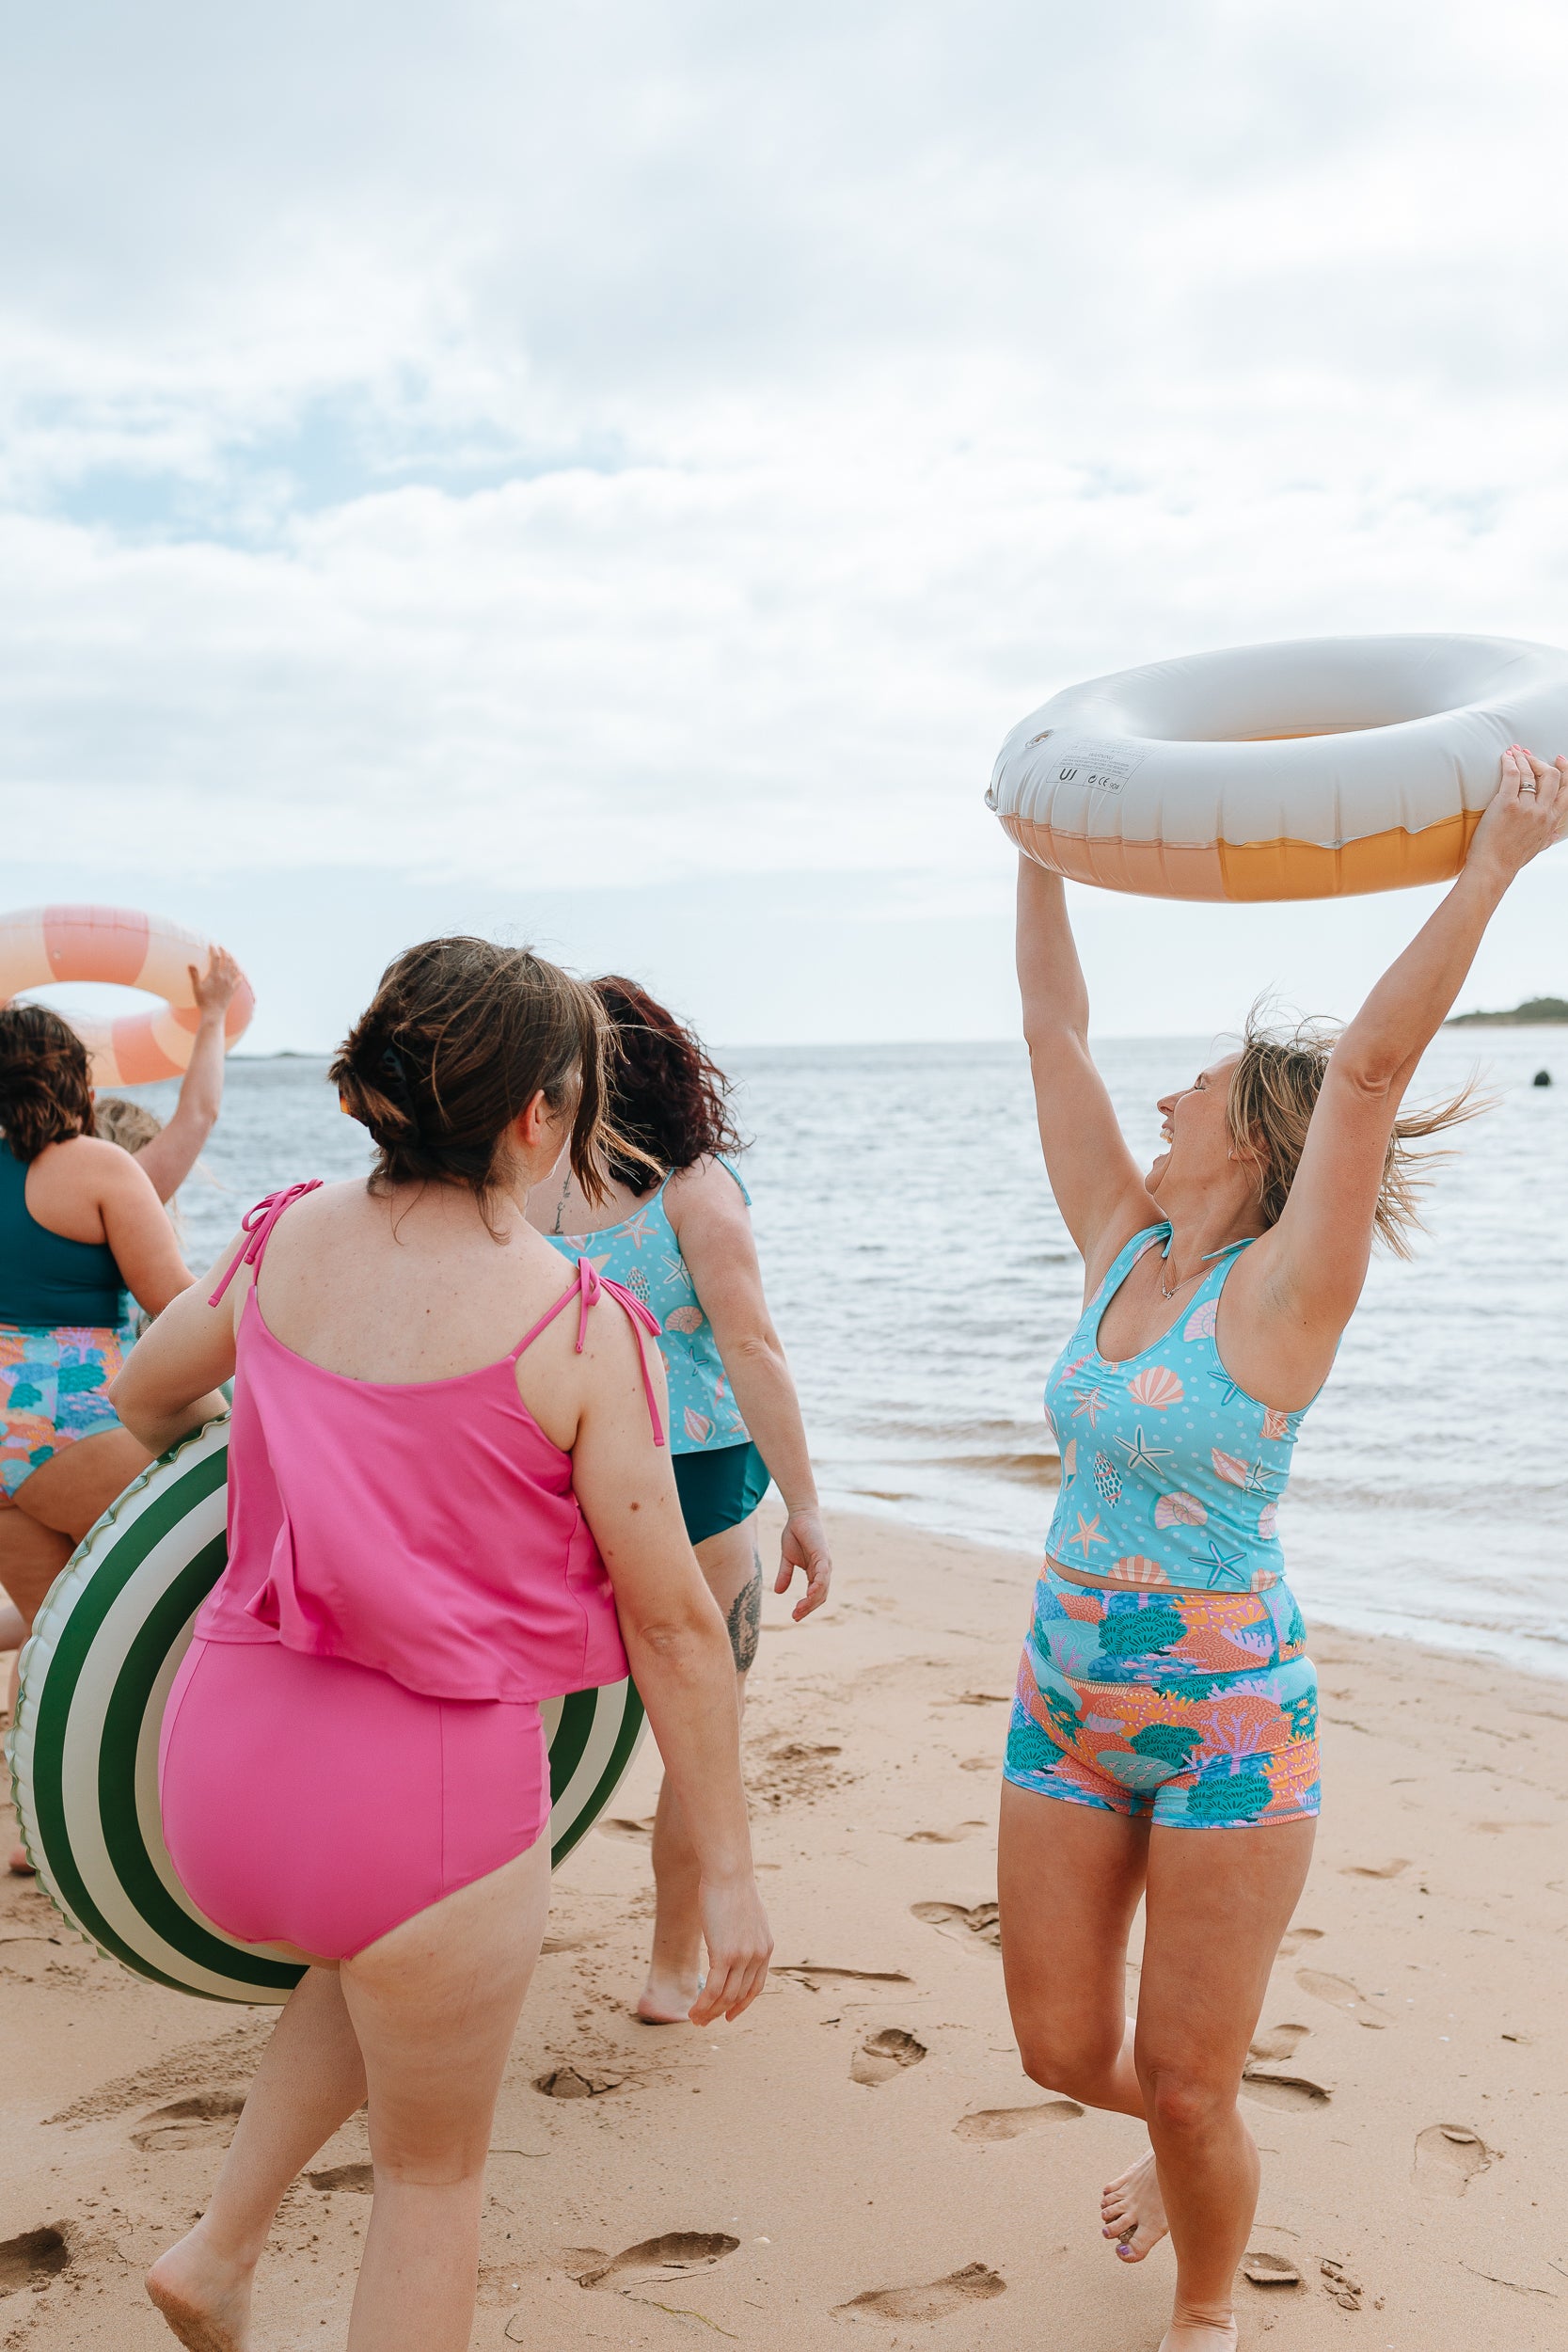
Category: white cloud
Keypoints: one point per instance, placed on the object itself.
(655, 441)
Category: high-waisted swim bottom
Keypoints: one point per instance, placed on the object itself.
(311, 1802)
(52, 1390)
(719, 1489)
(1194, 1709)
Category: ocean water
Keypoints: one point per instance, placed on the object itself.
(924, 1282)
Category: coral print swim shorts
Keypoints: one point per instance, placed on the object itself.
(1192, 1709)
(51, 1385)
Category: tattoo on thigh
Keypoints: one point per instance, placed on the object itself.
(745, 1621)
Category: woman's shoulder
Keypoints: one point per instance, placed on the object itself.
(710, 1185)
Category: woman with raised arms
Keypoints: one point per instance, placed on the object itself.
(450, 1498)
(1164, 1743)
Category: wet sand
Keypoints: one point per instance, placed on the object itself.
(867, 2162)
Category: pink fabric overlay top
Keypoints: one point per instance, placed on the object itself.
(426, 1528)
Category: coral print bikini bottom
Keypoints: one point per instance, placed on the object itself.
(1191, 1710)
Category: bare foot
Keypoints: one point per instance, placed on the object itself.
(666, 2000)
(19, 1865)
(206, 2302)
(1199, 2335)
(1132, 2212)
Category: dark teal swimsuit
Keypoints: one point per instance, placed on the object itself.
(63, 1333)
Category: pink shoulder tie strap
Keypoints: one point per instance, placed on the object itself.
(588, 1286)
(257, 1222)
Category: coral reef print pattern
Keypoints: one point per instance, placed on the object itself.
(1196, 1710)
(52, 1384)
(1167, 1460)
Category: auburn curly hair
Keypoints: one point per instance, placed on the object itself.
(459, 1039)
(668, 1095)
(45, 1080)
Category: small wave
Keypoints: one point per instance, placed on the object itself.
(1032, 1470)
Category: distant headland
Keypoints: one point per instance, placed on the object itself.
(1534, 1011)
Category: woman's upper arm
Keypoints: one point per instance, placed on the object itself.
(168, 1159)
(709, 1217)
(1321, 1245)
(189, 1350)
(624, 1479)
(136, 1228)
(1095, 1183)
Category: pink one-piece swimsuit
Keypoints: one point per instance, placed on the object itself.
(354, 1731)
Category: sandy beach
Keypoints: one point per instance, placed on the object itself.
(868, 2158)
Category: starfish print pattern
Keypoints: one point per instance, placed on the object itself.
(1090, 1401)
(1226, 1563)
(1087, 1535)
(1141, 1456)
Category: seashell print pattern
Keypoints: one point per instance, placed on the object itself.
(1181, 1473)
(644, 1254)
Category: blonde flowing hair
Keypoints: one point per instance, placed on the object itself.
(1273, 1092)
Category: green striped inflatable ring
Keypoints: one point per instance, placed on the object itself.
(83, 1753)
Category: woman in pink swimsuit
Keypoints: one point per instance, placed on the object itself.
(449, 1498)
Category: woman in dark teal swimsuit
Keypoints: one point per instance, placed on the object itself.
(80, 1225)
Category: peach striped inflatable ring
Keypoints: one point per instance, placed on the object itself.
(1315, 769)
(42, 945)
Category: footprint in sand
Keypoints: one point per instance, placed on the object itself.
(32, 2260)
(1447, 2157)
(577, 2082)
(1340, 1993)
(1294, 1938)
(1374, 1870)
(672, 2256)
(636, 1832)
(975, 2284)
(883, 2055)
(976, 1924)
(357, 2177)
(1271, 2087)
(205, 2120)
(1278, 2041)
(993, 2123)
(1269, 2270)
(808, 1973)
(953, 1836)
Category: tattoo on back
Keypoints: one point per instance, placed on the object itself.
(745, 1621)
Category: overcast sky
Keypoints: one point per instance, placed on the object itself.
(614, 475)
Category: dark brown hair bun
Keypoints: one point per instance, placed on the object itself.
(460, 1038)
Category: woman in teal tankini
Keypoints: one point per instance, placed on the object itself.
(1163, 1745)
(676, 1231)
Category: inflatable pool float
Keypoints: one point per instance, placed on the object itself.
(40, 946)
(83, 1753)
(1315, 769)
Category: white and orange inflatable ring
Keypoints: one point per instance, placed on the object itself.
(42, 946)
(1314, 769)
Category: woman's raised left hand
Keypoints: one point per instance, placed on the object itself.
(804, 1546)
(1528, 811)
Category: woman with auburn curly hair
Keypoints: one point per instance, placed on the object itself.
(80, 1225)
(1164, 1743)
(682, 1243)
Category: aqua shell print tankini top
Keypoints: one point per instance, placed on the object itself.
(644, 1255)
(1171, 1473)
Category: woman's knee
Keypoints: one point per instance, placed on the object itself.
(1184, 2102)
(1072, 2073)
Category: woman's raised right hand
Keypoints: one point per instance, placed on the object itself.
(739, 1945)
